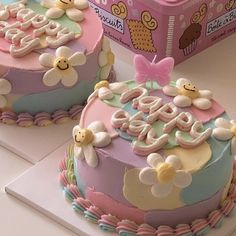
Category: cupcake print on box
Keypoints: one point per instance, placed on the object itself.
(188, 40)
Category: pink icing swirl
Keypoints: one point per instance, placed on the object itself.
(95, 211)
(8, 117)
(164, 230)
(84, 203)
(75, 112)
(182, 229)
(199, 225)
(109, 220)
(227, 207)
(127, 225)
(146, 230)
(42, 119)
(25, 120)
(60, 117)
(62, 165)
(74, 191)
(214, 218)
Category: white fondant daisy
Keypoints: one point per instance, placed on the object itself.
(106, 59)
(5, 88)
(186, 94)
(62, 66)
(226, 130)
(72, 8)
(164, 174)
(104, 90)
(86, 139)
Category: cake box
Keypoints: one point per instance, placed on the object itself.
(177, 28)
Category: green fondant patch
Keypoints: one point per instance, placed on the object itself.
(64, 20)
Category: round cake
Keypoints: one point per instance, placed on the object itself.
(153, 161)
(52, 53)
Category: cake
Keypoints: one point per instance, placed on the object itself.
(152, 160)
(52, 53)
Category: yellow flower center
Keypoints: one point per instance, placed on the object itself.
(102, 84)
(165, 173)
(61, 63)
(189, 90)
(64, 4)
(84, 137)
(233, 130)
(111, 58)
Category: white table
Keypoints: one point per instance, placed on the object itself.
(214, 68)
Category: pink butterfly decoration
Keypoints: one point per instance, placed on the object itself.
(151, 71)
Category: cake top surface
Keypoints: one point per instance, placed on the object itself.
(29, 28)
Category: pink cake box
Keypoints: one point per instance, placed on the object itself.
(177, 28)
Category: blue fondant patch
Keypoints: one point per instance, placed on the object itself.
(59, 99)
(219, 168)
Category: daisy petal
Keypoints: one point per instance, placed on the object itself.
(118, 87)
(154, 159)
(77, 59)
(222, 134)
(46, 59)
(81, 4)
(70, 77)
(182, 179)
(105, 71)
(174, 161)
(181, 82)
(90, 155)
(75, 14)
(205, 94)
(106, 45)
(202, 103)
(170, 90)
(233, 146)
(55, 13)
(161, 190)
(5, 86)
(51, 77)
(97, 126)
(3, 101)
(148, 176)
(63, 51)
(223, 123)
(102, 59)
(182, 101)
(78, 153)
(101, 139)
(105, 93)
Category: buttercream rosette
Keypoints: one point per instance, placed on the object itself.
(86, 139)
(72, 8)
(106, 59)
(186, 94)
(62, 66)
(226, 130)
(105, 91)
(163, 175)
(5, 88)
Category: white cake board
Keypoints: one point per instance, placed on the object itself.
(34, 143)
(39, 187)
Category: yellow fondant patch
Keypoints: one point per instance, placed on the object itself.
(192, 159)
(140, 194)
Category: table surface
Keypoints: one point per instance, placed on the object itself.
(214, 68)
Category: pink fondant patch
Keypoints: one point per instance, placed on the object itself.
(96, 110)
(205, 116)
(110, 206)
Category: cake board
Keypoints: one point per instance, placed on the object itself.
(44, 193)
(34, 143)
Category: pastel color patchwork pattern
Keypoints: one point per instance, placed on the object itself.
(158, 174)
(50, 55)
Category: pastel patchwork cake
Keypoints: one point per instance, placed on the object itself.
(52, 53)
(155, 160)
